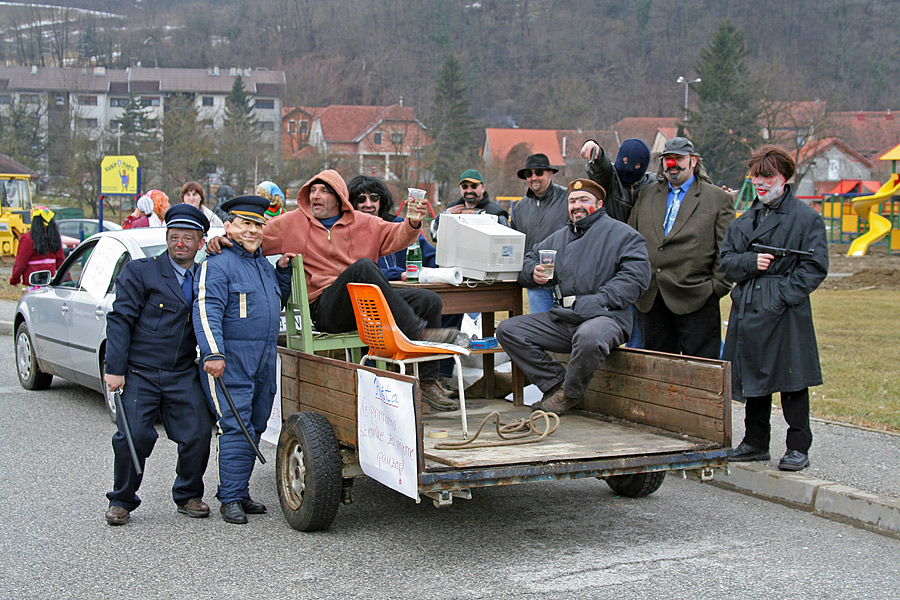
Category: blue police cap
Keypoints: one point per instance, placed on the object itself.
(252, 208)
(186, 216)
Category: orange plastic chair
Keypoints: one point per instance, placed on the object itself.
(378, 329)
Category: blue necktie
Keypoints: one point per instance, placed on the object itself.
(187, 286)
(672, 212)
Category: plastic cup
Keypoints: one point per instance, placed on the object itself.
(416, 198)
(548, 260)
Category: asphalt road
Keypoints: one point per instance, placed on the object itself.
(570, 539)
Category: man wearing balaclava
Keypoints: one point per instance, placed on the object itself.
(624, 180)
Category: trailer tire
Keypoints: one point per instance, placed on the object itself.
(636, 485)
(308, 472)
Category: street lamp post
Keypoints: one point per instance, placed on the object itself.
(687, 84)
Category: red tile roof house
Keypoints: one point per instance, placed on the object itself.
(386, 142)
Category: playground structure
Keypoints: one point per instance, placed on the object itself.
(869, 209)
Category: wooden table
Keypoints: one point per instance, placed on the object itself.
(485, 298)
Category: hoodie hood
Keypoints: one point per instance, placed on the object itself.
(332, 178)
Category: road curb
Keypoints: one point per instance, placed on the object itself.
(827, 499)
(6, 328)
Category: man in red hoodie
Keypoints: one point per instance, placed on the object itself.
(340, 245)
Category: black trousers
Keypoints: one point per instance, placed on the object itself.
(698, 333)
(413, 309)
(794, 405)
(177, 398)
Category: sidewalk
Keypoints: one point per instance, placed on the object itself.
(854, 475)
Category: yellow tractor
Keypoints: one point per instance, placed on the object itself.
(15, 211)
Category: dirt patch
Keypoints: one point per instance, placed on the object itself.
(877, 269)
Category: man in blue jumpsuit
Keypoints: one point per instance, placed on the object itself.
(236, 319)
(150, 355)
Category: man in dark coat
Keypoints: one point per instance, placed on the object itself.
(684, 219)
(771, 342)
(540, 212)
(601, 268)
(474, 199)
(150, 354)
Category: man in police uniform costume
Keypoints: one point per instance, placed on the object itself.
(236, 319)
(150, 355)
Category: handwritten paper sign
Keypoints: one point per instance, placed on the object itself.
(386, 422)
(96, 279)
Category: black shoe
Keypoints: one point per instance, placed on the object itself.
(233, 512)
(252, 507)
(117, 515)
(745, 452)
(793, 460)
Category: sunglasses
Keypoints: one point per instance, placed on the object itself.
(468, 186)
(370, 197)
(538, 172)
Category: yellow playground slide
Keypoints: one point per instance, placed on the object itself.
(868, 207)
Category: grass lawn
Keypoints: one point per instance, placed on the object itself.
(857, 335)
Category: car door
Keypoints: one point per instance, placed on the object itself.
(49, 312)
(88, 307)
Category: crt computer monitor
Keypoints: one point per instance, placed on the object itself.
(480, 247)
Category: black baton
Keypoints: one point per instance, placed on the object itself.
(240, 421)
(120, 410)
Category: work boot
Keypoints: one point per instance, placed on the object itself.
(441, 336)
(434, 396)
(557, 403)
(252, 507)
(233, 512)
(745, 453)
(793, 460)
(195, 507)
(117, 515)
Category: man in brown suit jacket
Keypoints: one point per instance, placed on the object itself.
(684, 220)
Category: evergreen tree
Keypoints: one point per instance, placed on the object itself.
(185, 150)
(725, 128)
(238, 148)
(451, 125)
(136, 131)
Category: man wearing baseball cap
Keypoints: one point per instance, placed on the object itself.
(474, 199)
(150, 357)
(601, 267)
(683, 217)
(540, 212)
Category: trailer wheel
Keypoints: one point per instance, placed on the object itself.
(636, 485)
(308, 471)
(30, 375)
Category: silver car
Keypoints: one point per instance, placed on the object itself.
(60, 328)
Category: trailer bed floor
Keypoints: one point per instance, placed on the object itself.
(578, 438)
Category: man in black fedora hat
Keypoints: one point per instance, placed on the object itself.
(540, 212)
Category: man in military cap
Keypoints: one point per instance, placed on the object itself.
(540, 212)
(474, 199)
(236, 319)
(150, 356)
(601, 268)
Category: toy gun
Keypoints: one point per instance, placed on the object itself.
(778, 252)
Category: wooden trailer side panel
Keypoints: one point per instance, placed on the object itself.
(684, 395)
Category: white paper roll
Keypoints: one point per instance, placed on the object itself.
(450, 275)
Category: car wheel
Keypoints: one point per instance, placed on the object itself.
(30, 375)
(636, 485)
(108, 396)
(308, 472)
